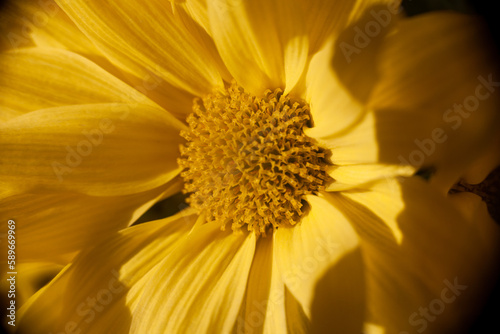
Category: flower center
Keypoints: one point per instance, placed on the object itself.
(248, 162)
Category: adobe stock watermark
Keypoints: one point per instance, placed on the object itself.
(371, 29)
(454, 117)
(92, 138)
(295, 276)
(39, 19)
(88, 309)
(436, 306)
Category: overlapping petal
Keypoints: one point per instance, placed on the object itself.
(55, 226)
(197, 303)
(144, 38)
(94, 293)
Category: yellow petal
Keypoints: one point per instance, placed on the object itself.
(200, 287)
(333, 109)
(441, 267)
(98, 149)
(37, 78)
(361, 176)
(263, 36)
(53, 227)
(296, 319)
(264, 308)
(144, 38)
(97, 284)
(304, 252)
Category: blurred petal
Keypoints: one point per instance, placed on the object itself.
(451, 85)
(327, 18)
(406, 123)
(48, 26)
(30, 278)
(98, 149)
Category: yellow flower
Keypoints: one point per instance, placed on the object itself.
(305, 115)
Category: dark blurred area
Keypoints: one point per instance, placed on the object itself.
(487, 322)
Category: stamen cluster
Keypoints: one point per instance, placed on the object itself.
(248, 162)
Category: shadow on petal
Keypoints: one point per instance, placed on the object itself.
(339, 302)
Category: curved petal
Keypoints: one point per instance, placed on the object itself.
(303, 253)
(94, 293)
(333, 109)
(430, 279)
(262, 35)
(145, 38)
(200, 287)
(53, 227)
(98, 149)
(37, 78)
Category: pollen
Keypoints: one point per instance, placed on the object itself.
(247, 163)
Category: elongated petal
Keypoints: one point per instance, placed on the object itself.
(408, 285)
(262, 35)
(97, 285)
(37, 78)
(200, 287)
(98, 149)
(145, 38)
(264, 308)
(361, 175)
(53, 227)
(304, 252)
